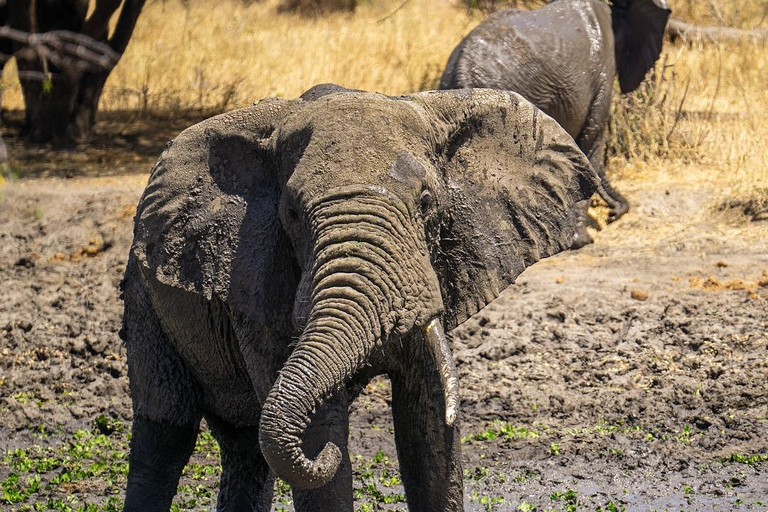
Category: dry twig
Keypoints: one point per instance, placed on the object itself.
(686, 32)
(62, 48)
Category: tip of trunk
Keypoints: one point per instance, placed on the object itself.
(280, 440)
(301, 472)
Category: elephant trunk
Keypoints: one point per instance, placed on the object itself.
(371, 278)
(305, 381)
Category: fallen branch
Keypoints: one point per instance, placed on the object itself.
(686, 32)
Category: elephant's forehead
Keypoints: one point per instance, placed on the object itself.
(350, 139)
(346, 118)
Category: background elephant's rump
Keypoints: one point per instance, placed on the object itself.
(564, 57)
(528, 53)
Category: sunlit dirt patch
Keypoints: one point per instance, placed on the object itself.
(756, 289)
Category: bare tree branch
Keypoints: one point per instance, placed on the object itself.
(64, 49)
(680, 30)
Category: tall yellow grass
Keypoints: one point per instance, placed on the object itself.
(709, 128)
(228, 53)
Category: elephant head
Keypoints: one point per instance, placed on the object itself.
(638, 28)
(403, 215)
(403, 211)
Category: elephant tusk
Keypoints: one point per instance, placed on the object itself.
(449, 376)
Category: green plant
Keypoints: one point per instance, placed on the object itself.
(476, 474)
(684, 436)
(751, 460)
(612, 506)
(505, 431)
(569, 497)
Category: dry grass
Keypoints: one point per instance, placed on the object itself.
(734, 13)
(701, 125)
(224, 53)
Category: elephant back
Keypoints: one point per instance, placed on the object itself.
(552, 56)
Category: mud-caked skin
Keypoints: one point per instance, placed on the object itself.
(564, 58)
(286, 253)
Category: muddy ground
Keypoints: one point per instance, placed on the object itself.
(631, 375)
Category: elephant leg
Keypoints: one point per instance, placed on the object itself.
(581, 235)
(616, 202)
(331, 423)
(429, 451)
(158, 455)
(592, 141)
(247, 482)
(165, 403)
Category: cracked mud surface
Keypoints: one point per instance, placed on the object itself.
(629, 374)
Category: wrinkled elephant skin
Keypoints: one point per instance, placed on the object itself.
(286, 253)
(564, 58)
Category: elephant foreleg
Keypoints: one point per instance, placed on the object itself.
(158, 455)
(165, 404)
(331, 423)
(247, 482)
(429, 451)
(592, 141)
(594, 146)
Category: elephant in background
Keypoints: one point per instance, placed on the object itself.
(286, 253)
(563, 58)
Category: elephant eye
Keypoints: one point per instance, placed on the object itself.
(426, 202)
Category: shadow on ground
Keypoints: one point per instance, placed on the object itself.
(124, 142)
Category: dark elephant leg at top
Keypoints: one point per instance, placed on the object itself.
(331, 423)
(592, 142)
(247, 482)
(158, 456)
(429, 451)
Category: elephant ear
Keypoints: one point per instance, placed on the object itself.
(512, 178)
(207, 222)
(638, 28)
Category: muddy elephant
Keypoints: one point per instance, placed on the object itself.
(563, 58)
(286, 253)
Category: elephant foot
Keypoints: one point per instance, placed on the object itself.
(581, 239)
(616, 213)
